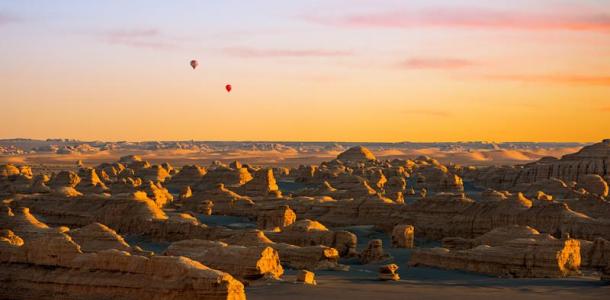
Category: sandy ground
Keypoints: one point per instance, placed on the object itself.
(338, 287)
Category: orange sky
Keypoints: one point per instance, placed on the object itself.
(306, 70)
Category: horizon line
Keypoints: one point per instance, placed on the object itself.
(296, 141)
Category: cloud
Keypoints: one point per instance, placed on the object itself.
(436, 63)
(138, 38)
(264, 53)
(471, 18)
(427, 112)
(6, 18)
(555, 79)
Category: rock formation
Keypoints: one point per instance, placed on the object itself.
(306, 277)
(90, 182)
(543, 256)
(39, 262)
(373, 253)
(357, 154)
(226, 202)
(242, 262)
(275, 219)
(403, 236)
(388, 272)
(189, 175)
(307, 232)
(594, 184)
(263, 184)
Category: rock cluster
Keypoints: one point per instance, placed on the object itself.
(39, 262)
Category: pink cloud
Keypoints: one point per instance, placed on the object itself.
(555, 79)
(251, 52)
(6, 18)
(473, 18)
(139, 38)
(436, 63)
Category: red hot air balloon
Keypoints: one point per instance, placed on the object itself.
(228, 87)
(194, 64)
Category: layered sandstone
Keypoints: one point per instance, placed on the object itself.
(543, 256)
(242, 262)
(46, 263)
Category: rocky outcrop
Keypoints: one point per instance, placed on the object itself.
(543, 256)
(221, 174)
(263, 184)
(373, 253)
(242, 262)
(595, 254)
(306, 277)
(388, 272)
(434, 177)
(130, 213)
(226, 202)
(159, 194)
(275, 219)
(307, 232)
(189, 175)
(403, 236)
(291, 256)
(356, 154)
(46, 263)
(594, 184)
(154, 173)
(98, 237)
(90, 182)
(8, 171)
(64, 179)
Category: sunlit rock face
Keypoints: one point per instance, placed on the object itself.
(240, 261)
(544, 256)
(356, 154)
(275, 219)
(40, 261)
(263, 184)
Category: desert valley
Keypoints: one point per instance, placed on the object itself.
(354, 225)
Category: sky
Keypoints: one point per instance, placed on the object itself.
(315, 70)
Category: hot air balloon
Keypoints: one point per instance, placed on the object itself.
(228, 87)
(194, 64)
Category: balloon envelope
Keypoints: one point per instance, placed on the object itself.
(228, 87)
(194, 64)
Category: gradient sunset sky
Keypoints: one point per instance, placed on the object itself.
(326, 70)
